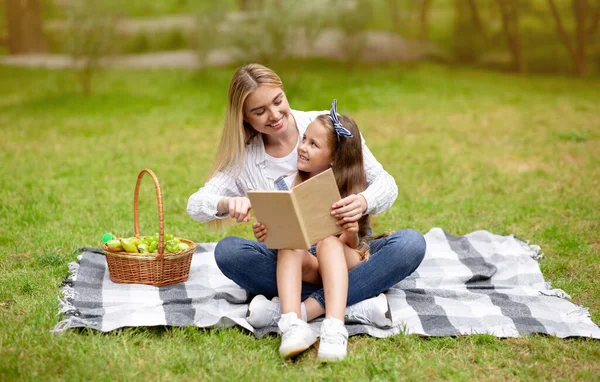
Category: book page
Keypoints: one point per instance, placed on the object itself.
(314, 198)
(275, 209)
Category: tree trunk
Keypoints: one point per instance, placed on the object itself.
(510, 23)
(580, 9)
(24, 24)
(394, 14)
(595, 21)
(577, 52)
(521, 65)
(477, 19)
(424, 19)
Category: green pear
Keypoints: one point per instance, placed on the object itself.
(129, 246)
(114, 245)
(135, 240)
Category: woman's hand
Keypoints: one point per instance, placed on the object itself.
(349, 209)
(260, 231)
(238, 208)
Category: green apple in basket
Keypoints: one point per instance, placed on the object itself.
(172, 244)
(181, 247)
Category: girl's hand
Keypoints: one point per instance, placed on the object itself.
(238, 207)
(349, 209)
(350, 227)
(260, 231)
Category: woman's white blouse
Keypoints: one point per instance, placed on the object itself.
(234, 181)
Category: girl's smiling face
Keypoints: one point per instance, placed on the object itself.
(315, 151)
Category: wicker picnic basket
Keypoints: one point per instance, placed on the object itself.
(158, 269)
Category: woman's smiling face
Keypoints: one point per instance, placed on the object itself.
(314, 151)
(267, 110)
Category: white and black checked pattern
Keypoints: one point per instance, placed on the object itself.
(202, 205)
(477, 283)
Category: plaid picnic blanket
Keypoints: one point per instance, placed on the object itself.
(477, 283)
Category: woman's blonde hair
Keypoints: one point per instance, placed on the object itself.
(237, 132)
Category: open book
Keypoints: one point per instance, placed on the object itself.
(300, 217)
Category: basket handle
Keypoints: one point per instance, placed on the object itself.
(161, 218)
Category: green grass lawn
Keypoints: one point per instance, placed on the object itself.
(469, 150)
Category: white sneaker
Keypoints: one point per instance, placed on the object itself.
(372, 311)
(296, 335)
(262, 312)
(334, 340)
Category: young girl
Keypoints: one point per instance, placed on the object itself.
(330, 141)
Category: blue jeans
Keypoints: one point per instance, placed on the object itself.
(253, 266)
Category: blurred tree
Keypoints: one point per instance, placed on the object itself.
(353, 19)
(312, 18)
(208, 33)
(595, 21)
(476, 17)
(89, 36)
(244, 5)
(274, 29)
(509, 10)
(24, 24)
(577, 49)
(424, 19)
(395, 14)
(262, 33)
(467, 42)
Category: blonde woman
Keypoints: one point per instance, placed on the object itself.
(259, 146)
